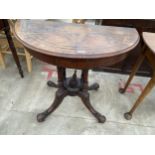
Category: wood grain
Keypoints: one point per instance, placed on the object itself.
(76, 41)
(76, 45)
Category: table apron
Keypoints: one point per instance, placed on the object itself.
(78, 63)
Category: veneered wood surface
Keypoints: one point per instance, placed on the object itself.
(149, 39)
(76, 41)
(75, 45)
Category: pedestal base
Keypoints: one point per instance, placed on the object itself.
(74, 87)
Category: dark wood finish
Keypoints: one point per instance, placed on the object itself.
(149, 54)
(140, 24)
(63, 44)
(75, 46)
(74, 87)
(4, 25)
(1, 24)
(125, 66)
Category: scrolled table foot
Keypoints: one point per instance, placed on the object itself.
(52, 84)
(60, 94)
(94, 86)
(100, 118)
(128, 116)
(41, 117)
(84, 95)
(122, 90)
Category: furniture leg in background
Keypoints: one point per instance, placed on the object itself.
(2, 61)
(28, 60)
(11, 45)
(149, 54)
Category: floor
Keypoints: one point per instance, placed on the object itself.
(22, 99)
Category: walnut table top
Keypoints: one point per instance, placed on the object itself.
(89, 45)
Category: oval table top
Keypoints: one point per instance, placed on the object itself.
(75, 41)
